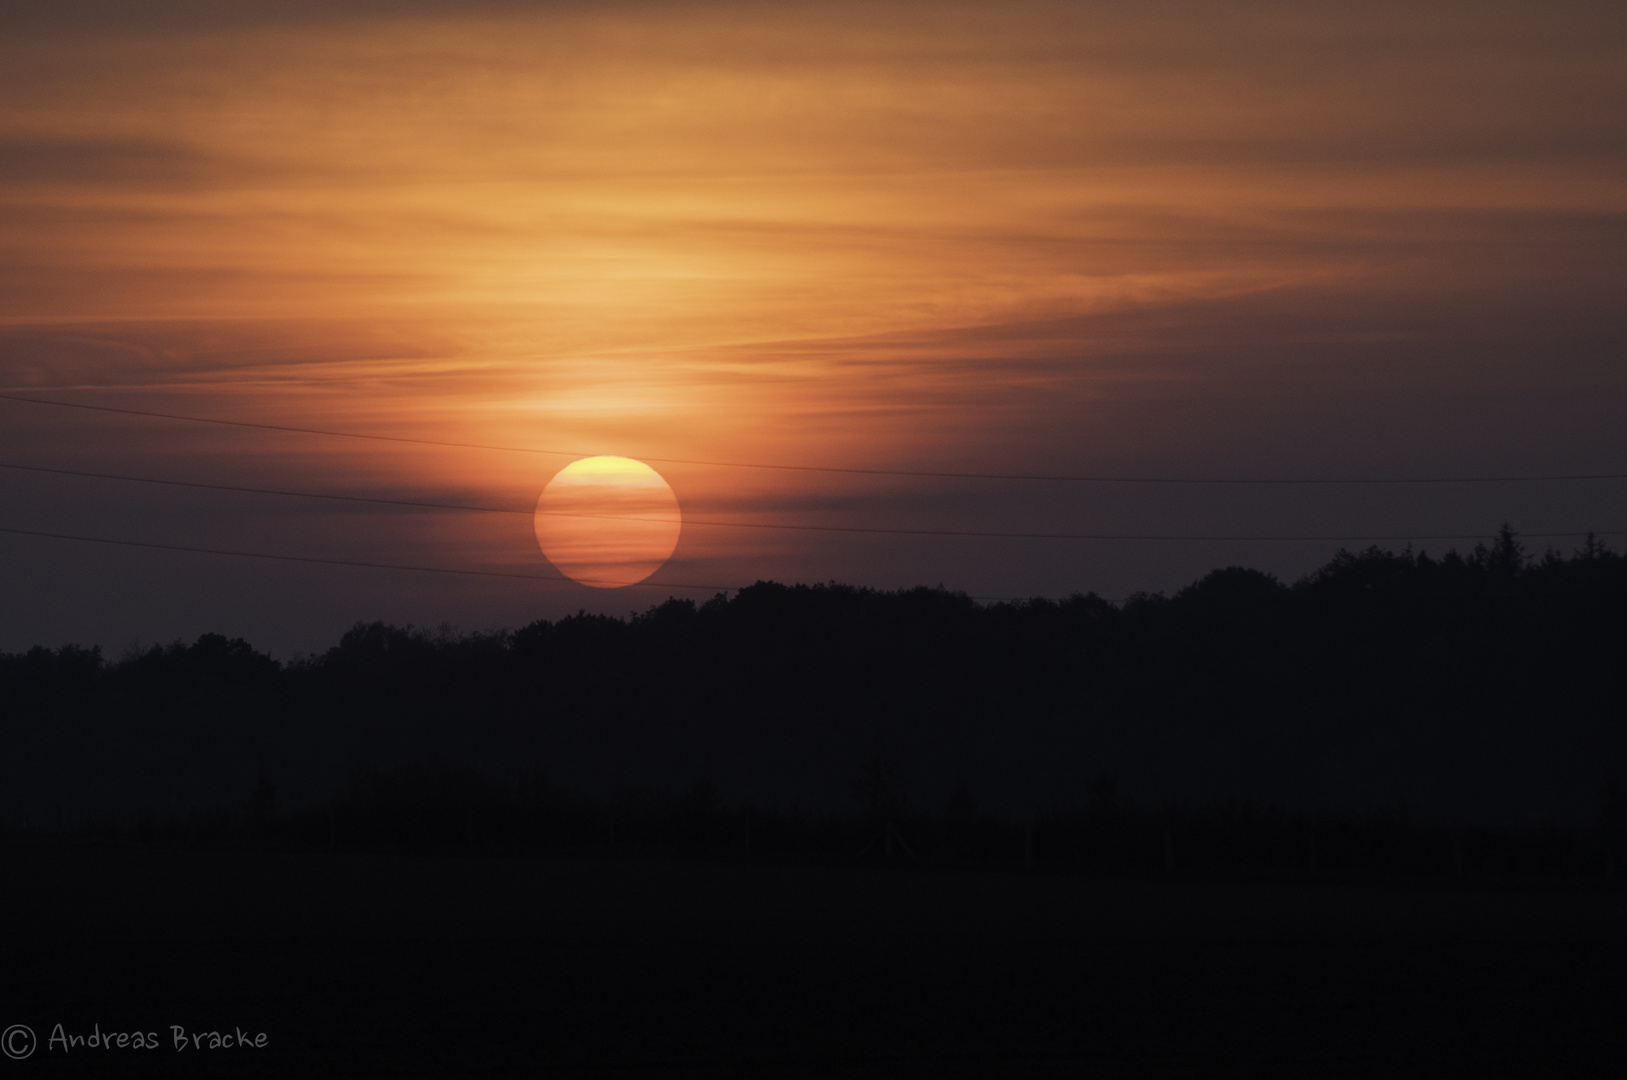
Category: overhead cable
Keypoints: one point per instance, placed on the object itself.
(967, 533)
(359, 563)
(916, 473)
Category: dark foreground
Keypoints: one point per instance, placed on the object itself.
(380, 965)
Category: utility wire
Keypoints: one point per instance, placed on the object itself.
(368, 565)
(646, 584)
(375, 500)
(358, 563)
(398, 566)
(750, 524)
(918, 473)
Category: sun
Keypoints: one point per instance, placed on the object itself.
(607, 521)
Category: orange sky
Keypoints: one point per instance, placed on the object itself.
(1180, 238)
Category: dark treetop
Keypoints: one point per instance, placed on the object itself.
(1486, 686)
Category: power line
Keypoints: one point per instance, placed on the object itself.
(647, 584)
(359, 563)
(416, 504)
(917, 473)
(369, 565)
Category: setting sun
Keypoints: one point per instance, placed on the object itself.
(607, 521)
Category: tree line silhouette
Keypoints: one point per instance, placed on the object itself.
(1384, 710)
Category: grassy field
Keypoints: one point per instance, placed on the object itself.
(369, 964)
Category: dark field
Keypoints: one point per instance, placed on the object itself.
(424, 965)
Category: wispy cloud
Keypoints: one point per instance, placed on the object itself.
(1037, 236)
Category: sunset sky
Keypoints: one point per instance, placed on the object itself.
(1179, 240)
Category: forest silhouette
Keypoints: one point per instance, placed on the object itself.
(1390, 701)
(1366, 823)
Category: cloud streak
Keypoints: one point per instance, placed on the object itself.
(1034, 237)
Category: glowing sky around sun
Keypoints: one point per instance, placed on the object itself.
(1177, 238)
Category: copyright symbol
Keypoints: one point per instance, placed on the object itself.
(18, 1042)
